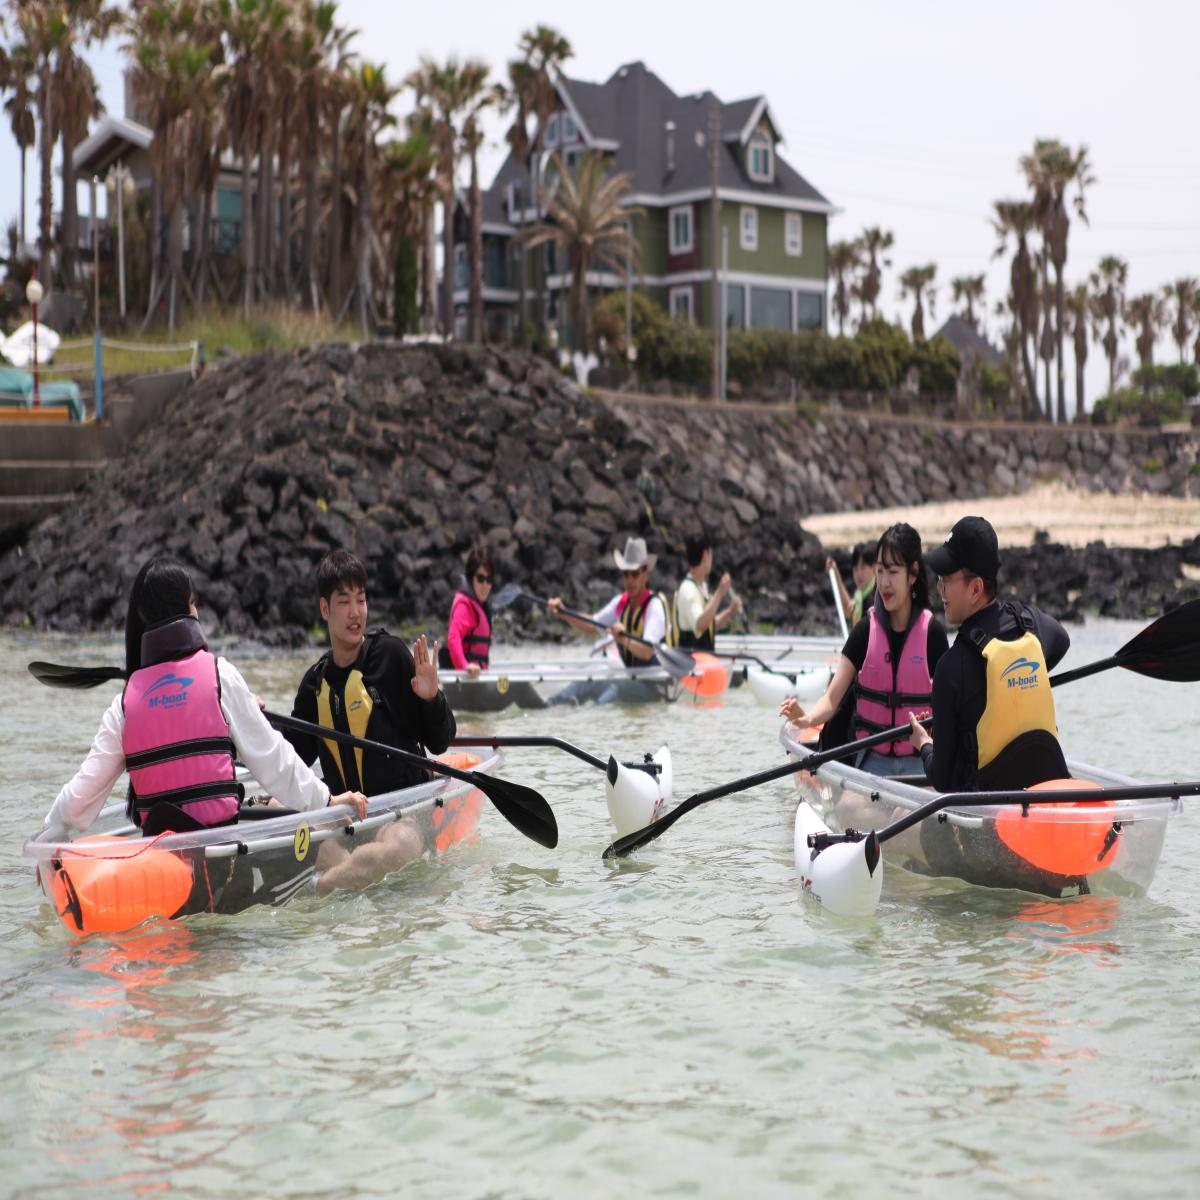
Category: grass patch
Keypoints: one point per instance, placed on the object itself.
(274, 328)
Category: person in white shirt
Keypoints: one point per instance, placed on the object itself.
(637, 612)
(698, 613)
(162, 628)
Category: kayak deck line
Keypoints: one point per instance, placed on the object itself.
(1098, 832)
(116, 879)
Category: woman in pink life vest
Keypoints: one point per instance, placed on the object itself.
(888, 660)
(469, 640)
(177, 726)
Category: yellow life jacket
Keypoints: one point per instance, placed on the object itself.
(359, 706)
(633, 618)
(1018, 700)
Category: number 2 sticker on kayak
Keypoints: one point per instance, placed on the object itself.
(300, 843)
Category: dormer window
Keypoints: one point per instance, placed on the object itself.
(761, 158)
(568, 129)
(552, 130)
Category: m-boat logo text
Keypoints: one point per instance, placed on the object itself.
(173, 690)
(1021, 673)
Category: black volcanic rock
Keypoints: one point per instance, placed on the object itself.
(408, 455)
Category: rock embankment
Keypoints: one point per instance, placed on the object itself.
(409, 455)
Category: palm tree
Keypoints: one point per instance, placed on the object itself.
(78, 98)
(544, 52)
(1080, 306)
(1184, 295)
(1108, 288)
(477, 98)
(1149, 314)
(320, 47)
(1051, 170)
(875, 243)
(968, 290)
(16, 76)
(915, 282)
(845, 258)
(406, 183)
(520, 97)
(171, 73)
(1015, 219)
(444, 90)
(587, 218)
(367, 118)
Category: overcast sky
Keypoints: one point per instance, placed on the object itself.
(910, 116)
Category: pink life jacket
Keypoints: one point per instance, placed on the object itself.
(888, 692)
(477, 644)
(176, 741)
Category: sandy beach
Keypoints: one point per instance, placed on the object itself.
(1070, 517)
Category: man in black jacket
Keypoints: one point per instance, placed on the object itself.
(371, 685)
(993, 716)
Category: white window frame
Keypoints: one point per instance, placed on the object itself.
(748, 233)
(551, 138)
(677, 293)
(763, 140)
(673, 246)
(569, 132)
(793, 234)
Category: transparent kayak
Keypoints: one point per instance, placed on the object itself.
(1110, 847)
(115, 879)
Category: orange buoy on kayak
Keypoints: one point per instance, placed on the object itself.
(456, 820)
(108, 885)
(709, 679)
(1074, 846)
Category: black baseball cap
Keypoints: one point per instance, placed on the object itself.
(971, 546)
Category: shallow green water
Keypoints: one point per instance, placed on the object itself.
(513, 1021)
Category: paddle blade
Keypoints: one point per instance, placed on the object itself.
(678, 662)
(1169, 649)
(505, 596)
(57, 675)
(522, 807)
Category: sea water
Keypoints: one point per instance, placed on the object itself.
(512, 1021)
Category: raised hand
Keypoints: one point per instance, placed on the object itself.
(425, 673)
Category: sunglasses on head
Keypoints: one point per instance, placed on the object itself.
(482, 577)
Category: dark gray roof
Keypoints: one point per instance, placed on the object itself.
(632, 109)
(968, 342)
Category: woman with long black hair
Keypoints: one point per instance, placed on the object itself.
(183, 716)
(888, 658)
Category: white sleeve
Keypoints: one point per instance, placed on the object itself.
(270, 757)
(691, 604)
(81, 800)
(654, 628)
(607, 616)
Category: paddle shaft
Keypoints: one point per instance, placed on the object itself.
(348, 739)
(837, 602)
(640, 837)
(523, 808)
(676, 661)
(556, 743)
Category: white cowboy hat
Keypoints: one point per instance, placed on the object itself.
(635, 557)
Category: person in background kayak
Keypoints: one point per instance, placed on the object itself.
(698, 614)
(888, 659)
(370, 685)
(637, 611)
(469, 639)
(993, 712)
(862, 571)
(183, 715)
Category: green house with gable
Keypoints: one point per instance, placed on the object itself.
(774, 221)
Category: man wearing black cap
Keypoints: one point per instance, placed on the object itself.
(993, 716)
